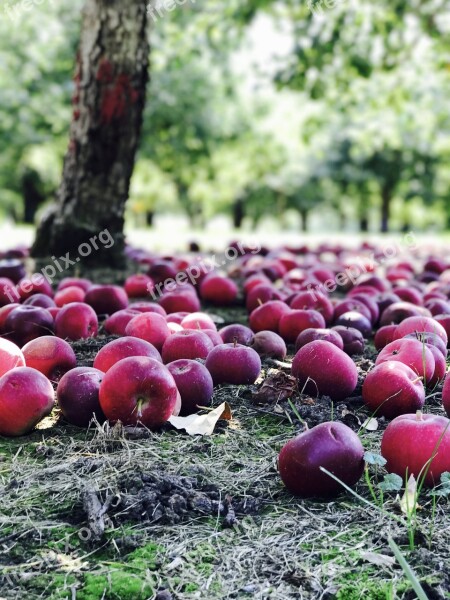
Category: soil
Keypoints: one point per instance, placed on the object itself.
(189, 517)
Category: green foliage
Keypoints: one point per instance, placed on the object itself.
(351, 111)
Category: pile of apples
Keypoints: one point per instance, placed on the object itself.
(170, 355)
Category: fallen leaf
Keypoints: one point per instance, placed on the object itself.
(202, 424)
(277, 388)
(381, 560)
(408, 502)
(371, 424)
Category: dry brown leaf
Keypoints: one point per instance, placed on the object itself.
(202, 424)
(276, 388)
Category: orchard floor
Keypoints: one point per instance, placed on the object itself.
(205, 517)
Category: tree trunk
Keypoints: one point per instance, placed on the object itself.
(386, 197)
(149, 218)
(304, 214)
(32, 196)
(111, 78)
(238, 213)
(364, 224)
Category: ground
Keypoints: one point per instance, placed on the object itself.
(207, 517)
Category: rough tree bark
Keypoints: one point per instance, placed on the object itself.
(110, 90)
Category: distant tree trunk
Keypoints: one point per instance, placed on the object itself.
(32, 196)
(238, 213)
(111, 78)
(304, 218)
(364, 224)
(149, 218)
(386, 197)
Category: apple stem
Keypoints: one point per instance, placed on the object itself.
(417, 379)
(419, 415)
(260, 302)
(139, 405)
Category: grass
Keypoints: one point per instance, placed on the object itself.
(287, 548)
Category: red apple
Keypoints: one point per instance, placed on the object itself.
(145, 306)
(411, 441)
(150, 327)
(323, 369)
(25, 323)
(214, 336)
(41, 300)
(26, 397)
(312, 335)
(106, 299)
(189, 343)
(35, 284)
(234, 364)
(352, 305)
(198, 320)
(4, 312)
(261, 294)
(392, 388)
(77, 395)
(71, 293)
(438, 307)
(12, 269)
(50, 355)
(371, 304)
(384, 336)
(333, 446)
(409, 294)
(444, 321)
(84, 284)
(357, 321)
(76, 321)
(117, 323)
(397, 312)
(138, 390)
(11, 356)
(138, 286)
(420, 324)
(181, 301)
(239, 333)
(269, 344)
(294, 322)
(176, 317)
(412, 353)
(219, 290)
(121, 348)
(315, 301)
(194, 382)
(431, 339)
(352, 339)
(440, 366)
(446, 395)
(267, 316)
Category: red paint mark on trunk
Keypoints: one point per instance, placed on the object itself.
(116, 98)
(105, 73)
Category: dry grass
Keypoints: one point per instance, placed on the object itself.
(281, 547)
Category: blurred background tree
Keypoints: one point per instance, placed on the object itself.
(314, 114)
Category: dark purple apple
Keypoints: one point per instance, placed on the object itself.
(194, 382)
(332, 446)
(233, 363)
(77, 395)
